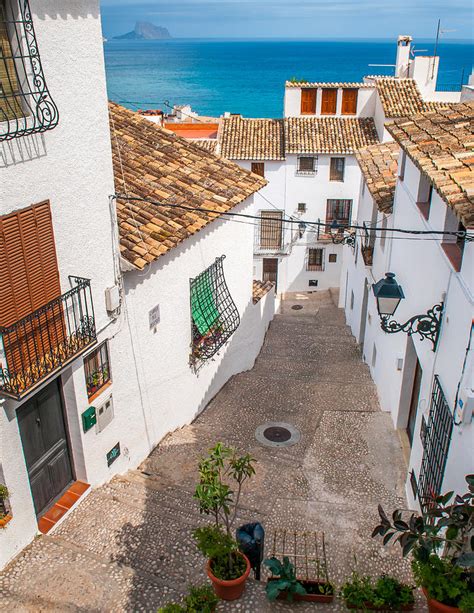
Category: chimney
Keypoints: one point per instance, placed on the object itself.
(403, 56)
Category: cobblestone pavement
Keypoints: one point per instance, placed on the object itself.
(128, 547)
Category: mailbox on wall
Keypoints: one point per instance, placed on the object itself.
(89, 418)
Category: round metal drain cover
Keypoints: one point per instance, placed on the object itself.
(297, 307)
(277, 434)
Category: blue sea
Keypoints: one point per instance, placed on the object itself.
(248, 76)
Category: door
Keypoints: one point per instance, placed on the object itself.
(270, 270)
(415, 396)
(308, 101)
(44, 440)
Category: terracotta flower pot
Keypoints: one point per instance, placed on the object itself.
(305, 597)
(232, 589)
(438, 607)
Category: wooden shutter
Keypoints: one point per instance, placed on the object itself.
(349, 101)
(336, 171)
(328, 101)
(10, 106)
(258, 168)
(29, 279)
(308, 101)
(271, 229)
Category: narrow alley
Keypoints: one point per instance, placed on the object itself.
(128, 546)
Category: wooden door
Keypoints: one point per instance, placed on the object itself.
(45, 446)
(415, 396)
(349, 101)
(328, 101)
(308, 101)
(270, 270)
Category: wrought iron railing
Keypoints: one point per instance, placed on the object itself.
(44, 341)
(436, 438)
(26, 106)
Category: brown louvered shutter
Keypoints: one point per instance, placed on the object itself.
(328, 101)
(258, 168)
(308, 101)
(9, 105)
(29, 279)
(271, 229)
(349, 101)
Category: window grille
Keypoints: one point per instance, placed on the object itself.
(26, 105)
(315, 259)
(436, 441)
(214, 315)
(339, 210)
(97, 369)
(270, 230)
(307, 165)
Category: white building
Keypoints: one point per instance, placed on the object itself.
(426, 386)
(94, 361)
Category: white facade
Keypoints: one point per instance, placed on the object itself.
(428, 277)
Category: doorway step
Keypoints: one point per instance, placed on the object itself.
(68, 500)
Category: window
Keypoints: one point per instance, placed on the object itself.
(301, 207)
(328, 101)
(271, 229)
(336, 172)
(26, 105)
(307, 165)
(332, 258)
(374, 356)
(340, 210)
(308, 101)
(453, 246)
(383, 234)
(363, 187)
(349, 101)
(214, 316)
(403, 161)
(315, 259)
(258, 168)
(425, 192)
(97, 370)
(352, 299)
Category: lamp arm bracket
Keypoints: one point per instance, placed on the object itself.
(427, 325)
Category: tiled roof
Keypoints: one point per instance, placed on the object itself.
(252, 139)
(441, 144)
(378, 164)
(153, 163)
(401, 97)
(209, 144)
(260, 288)
(315, 84)
(328, 134)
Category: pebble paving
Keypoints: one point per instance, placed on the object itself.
(128, 545)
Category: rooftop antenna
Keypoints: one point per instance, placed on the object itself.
(439, 31)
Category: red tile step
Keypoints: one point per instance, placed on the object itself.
(62, 506)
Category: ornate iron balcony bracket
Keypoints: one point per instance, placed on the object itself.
(348, 239)
(427, 325)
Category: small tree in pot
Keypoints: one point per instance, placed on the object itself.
(221, 477)
(442, 544)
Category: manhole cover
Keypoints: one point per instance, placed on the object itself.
(277, 434)
(297, 307)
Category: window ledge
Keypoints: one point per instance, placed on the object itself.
(5, 520)
(306, 173)
(96, 394)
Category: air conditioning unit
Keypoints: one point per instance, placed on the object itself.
(105, 414)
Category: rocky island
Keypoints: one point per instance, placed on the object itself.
(145, 31)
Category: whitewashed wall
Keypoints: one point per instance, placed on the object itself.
(365, 102)
(71, 166)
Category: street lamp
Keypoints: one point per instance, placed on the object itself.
(337, 237)
(388, 295)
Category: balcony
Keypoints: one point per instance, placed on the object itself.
(367, 254)
(39, 345)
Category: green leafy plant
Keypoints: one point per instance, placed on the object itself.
(441, 541)
(466, 604)
(201, 599)
(283, 580)
(296, 80)
(4, 494)
(221, 477)
(386, 593)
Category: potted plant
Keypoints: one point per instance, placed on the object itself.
(441, 541)
(4, 515)
(386, 594)
(221, 477)
(284, 585)
(201, 599)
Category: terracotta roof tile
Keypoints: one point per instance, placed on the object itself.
(378, 164)
(441, 144)
(252, 139)
(153, 163)
(401, 97)
(328, 134)
(260, 288)
(209, 144)
(316, 84)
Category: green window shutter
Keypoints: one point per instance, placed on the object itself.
(204, 309)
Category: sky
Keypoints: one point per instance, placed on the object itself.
(293, 18)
